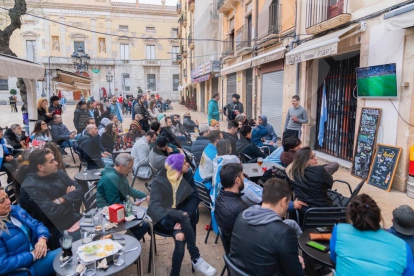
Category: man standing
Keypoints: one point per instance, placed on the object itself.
(295, 118)
(234, 108)
(231, 135)
(213, 108)
(114, 188)
(55, 107)
(113, 108)
(140, 152)
(140, 108)
(275, 253)
(63, 102)
(90, 149)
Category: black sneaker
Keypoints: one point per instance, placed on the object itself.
(63, 152)
(66, 165)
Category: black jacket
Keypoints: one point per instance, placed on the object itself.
(314, 188)
(189, 124)
(108, 142)
(265, 250)
(41, 113)
(198, 147)
(38, 192)
(12, 139)
(98, 118)
(56, 110)
(230, 109)
(91, 151)
(227, 207)
(79, 119)
(162, 196)
(245, 146)
(167, 133)
(233, 141)
(140, 109)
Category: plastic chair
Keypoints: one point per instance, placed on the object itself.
(70, 148)
(233, 270)
(204, 196)
(341, 201)
(323, 217)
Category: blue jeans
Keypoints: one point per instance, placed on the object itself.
(108, 161)
(44, 266)
(140, 230)
(66, 144)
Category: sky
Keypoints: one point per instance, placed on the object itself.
(168, 2)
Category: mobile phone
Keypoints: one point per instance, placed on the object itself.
(255, 170)
(318, 246)
(324, 229)
(141, 200)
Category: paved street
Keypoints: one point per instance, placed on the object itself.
(211, 252)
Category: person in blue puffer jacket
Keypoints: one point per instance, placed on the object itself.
(363, 248)
(23, 241)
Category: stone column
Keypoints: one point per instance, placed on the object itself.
(62, 37)
(95, 46)
(108, 37)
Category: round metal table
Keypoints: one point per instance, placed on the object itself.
(130, 257)
(315, 254)
(90, 176)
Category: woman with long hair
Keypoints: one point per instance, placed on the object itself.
(362, 247)
(310, 181)
(43, 110)
(41, 132)
(99, 113)
(153, 110)
(58, 156)
(109, 137)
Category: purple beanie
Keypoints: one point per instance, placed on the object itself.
(175, 162)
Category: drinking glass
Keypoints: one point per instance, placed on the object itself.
(86, 236)
(260, 161)
(70, 267)
(119, 257)
(84, 168)
(97, 222)
(90, 268)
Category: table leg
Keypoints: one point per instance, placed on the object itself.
(139, 266)
(149, 221)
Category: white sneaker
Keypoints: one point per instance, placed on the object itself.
(204, 267)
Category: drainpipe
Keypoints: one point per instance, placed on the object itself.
(256, 29)
(296, 41)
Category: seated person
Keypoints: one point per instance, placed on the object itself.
(7, 162)
(200, 143)
(41, 132)
(188, 124)
(15, 137)
(103, 124)
(173, 206)
(140, 152)
(271, 137)
(90, 148)
(275, 252)
(134, 131)
(310, 181)
(246, 146)
(23, 241)
(108, 138)
(274, 157)
(50, 195)
(61, 135)
(363, 248)
(113, 187)
(231, 135)
(205, 170)
(21, 172)
(159, 153)
(168, 133)
(403, 225)
(290, 146)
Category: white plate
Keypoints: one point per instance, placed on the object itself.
(101, 243)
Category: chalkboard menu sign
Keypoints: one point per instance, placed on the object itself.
(383, 166)
(365, 143)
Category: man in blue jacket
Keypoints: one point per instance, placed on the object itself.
(213, 108)
(271, 137)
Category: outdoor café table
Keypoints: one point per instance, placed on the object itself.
(315, 254)
(254, 170)
(88, 178)
(130, 257)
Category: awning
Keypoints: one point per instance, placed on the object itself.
(20, 68)
(237, 67)
(320, 47)
(401, 18)
(273, 55)
(70, 81)
(201, 79)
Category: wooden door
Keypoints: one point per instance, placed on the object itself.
(76, 95)
(335, 8)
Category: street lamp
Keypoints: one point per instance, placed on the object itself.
(80, 60)
(109, 79)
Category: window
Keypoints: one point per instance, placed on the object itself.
(4, 84)
(175, 82)
(79, 44)
(150, 29)
(175, 52)
(124, 51)
(151, 85)
(126, 82)
(123, 27)
(174, 32)
(150, 51)
(31, 50)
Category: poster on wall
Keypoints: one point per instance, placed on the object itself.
(384, 166)
(366, 140)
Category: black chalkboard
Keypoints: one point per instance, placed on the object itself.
(383, 166)
(365, 143)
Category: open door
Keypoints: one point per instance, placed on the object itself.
(335, 8)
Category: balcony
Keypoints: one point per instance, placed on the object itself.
(228, 48)
(224, 6)
(191, 5)
(190, 41)
(178, 7)
(152, 63)
(275, 16)
(183, 20)
(183, 51)
(322, 15)
(243, 38)
(176, 61)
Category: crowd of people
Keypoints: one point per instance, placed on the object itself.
(258, 238)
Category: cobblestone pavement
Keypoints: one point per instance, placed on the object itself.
(210, 251)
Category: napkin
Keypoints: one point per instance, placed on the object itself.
(103, 264)
(129, 218)
(319, 237)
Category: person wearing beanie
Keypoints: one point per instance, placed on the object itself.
(215, 124)
(173, 208)
(233, 108)
(134, 131)
(159, 153)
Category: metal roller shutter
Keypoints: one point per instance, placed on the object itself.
(231, 86)
(202, 96)
(272, 100)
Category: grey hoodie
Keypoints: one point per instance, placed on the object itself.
(256, 215)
